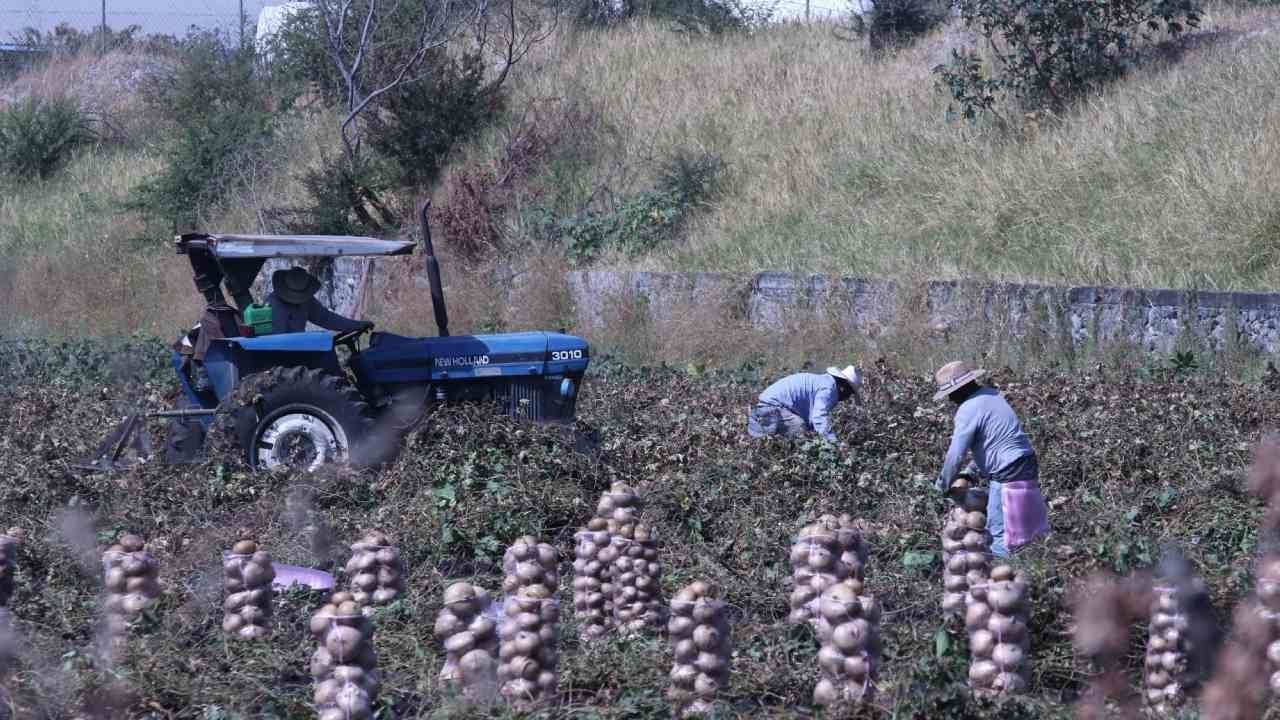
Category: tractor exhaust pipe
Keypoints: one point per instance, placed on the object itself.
(433, 276)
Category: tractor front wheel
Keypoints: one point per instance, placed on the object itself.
(295, 419)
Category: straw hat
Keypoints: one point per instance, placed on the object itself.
(953, 376)
(849, 374)
(295, 285)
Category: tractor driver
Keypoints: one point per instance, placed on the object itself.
(293, 303)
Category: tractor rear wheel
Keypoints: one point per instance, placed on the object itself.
(295, 419)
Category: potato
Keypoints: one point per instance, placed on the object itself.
(983, 673)
(1007, 628)
(706, 638)
(955, 583)
(135, 603)
(851, 636)
(232, 624)
(685, 650)
(1002, 573)
(855, 668)
(825, 693)
(1010, 683)
(1004, 597)
(820, 559)
(343, 642)
(116, 581)
(1008, 657)
(706, 685)
(709, 662)
(130, 542)
(976, 541)
(253, 632)
(982, 643)
(354, 701)
(952, 602)
(253, 614)
(975, 521)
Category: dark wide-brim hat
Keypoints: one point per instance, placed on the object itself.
(295, 285)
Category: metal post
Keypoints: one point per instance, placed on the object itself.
(102, 42)
(241, 24)
(806, 10)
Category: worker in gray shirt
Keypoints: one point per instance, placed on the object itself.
(293, 305)
(986, 425)
(801, 403)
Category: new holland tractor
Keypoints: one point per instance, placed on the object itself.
(287, 401)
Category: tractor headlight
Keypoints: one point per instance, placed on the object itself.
(567, 388)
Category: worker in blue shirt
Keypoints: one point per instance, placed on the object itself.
(801, 403)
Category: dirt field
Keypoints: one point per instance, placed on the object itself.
(1126, 467)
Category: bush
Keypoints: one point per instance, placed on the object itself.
(705, 16)
(894, 23)
(217, 109)
(1051, 51)
(342, 200)
(37, 135)
(639, 222)
(424, 120)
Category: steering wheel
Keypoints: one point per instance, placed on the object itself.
(351, 338)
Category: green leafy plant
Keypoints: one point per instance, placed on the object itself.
(38, 135)
(1045, 53)
(641, 221)
(218, 112)
(894, 23)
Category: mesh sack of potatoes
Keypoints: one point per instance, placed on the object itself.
(824, 553)
(592, 588)
(468, 631)
(636, 576)
(701, 646)
(247, 575)
(131, 577)
(528, 634)
(999, 642)
(848, 625)
(344, 667)
(375, 569)
(1166, 658)
(527, 655)
(966, 546)
(1268, 591)
(9, 542)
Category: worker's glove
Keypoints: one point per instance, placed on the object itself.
(941, 485)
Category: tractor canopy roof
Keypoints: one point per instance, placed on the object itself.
(236, 247)
(237, 259)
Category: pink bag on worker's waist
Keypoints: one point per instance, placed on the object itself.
(1026, 517)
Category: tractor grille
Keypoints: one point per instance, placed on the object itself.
(528, 399)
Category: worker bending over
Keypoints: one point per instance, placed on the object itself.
(986, 425)
(801, 403)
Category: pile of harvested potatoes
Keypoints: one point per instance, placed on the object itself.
(344, 667)
(375, 569)
(131, 575)
(248, 573)
(636, 576)
(849, 630)
(528, 635)
(701, 646)
(470, 639)
(999, 641)
(824, 553)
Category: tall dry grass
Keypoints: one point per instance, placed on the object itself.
(842, 164)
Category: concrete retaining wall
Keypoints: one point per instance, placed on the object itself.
(1155, 320)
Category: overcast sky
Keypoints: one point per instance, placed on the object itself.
(161, 16)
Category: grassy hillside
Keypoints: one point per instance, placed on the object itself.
(833, 162)
(1127, 467)
(838, 163)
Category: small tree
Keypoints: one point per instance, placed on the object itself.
(386, 63)
(217, 110)
(1047, 52)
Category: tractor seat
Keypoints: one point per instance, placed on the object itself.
(386, 339)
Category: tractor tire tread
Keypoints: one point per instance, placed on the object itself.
(225, 437)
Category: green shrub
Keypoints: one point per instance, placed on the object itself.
(705, 16)
(424, 120)
(641, 221)
(218, 112)
(1049, 52)
(37, 135)
(894, 23)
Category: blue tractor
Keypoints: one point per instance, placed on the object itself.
(287, 400)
